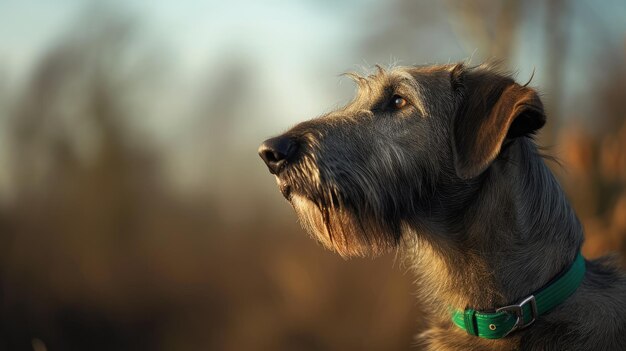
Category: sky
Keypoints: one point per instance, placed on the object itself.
(196, 40)
(306, 43)
(197, 31)
(281, 35)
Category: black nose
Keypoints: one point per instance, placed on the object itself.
(276, 151)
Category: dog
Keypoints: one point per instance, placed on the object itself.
(439, 162)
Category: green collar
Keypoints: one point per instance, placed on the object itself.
(499, 324)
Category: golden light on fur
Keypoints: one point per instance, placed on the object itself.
(340, 232)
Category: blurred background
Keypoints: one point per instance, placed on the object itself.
(135, 213)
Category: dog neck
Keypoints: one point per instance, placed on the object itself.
(501, 237)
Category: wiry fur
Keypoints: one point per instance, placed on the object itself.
(456, 182)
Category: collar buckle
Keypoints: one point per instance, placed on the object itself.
(518, 311)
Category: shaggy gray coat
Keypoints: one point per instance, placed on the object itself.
(439, 161)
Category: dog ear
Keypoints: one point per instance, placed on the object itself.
(492, 108)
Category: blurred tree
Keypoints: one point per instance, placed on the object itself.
(407, 30)
(557, 33)
(80, 181)
(490, 27)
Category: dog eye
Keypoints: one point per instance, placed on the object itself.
(399, 102)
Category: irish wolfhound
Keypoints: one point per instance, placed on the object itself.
(440, 162)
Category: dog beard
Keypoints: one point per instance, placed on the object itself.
(339, 230)
(332, 222)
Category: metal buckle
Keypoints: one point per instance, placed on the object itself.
(518, 310)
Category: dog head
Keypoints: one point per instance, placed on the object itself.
(358, 175)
